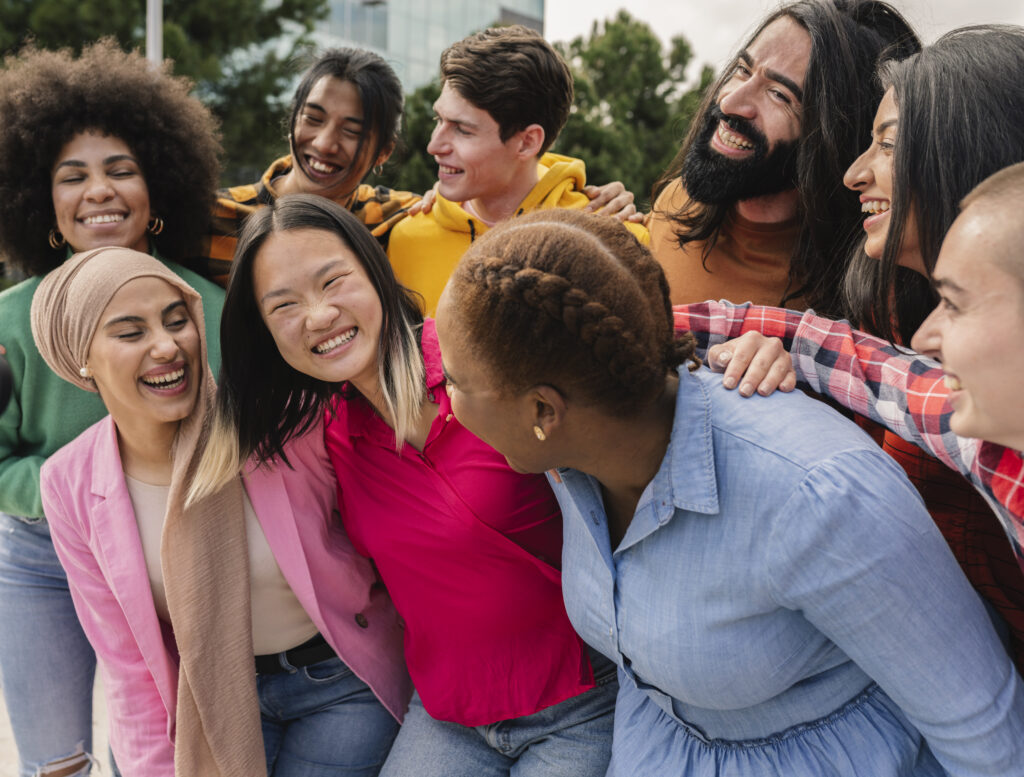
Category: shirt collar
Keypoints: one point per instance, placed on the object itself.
(687, 474)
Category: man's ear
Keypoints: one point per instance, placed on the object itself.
(530, 141)
(548, 408)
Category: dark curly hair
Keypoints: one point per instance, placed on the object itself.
(48, 97)
(573, 300)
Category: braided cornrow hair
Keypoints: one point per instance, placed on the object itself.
(574, 301)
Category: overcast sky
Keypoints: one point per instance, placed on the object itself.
(715, 27)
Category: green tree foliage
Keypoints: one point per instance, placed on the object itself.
(223, 45)
(632, 105)
(631, 111)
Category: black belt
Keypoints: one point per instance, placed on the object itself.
(309, 652)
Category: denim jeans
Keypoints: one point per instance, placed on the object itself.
(46, 664)
(322, 720)
(570, 739)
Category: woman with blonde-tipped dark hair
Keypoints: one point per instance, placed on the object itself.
(768, 582)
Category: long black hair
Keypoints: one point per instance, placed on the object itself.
(961, 118)
(840, 94)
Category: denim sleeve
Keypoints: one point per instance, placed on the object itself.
(857, 553)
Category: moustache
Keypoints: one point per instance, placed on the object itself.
(738, 125)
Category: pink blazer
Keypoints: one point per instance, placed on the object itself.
(93, 526)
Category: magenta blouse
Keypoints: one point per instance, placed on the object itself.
(469, 551)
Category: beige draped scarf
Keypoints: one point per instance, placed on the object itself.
(203, 552)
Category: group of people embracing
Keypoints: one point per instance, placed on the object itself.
(332, 480)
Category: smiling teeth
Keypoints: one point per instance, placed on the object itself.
(448, 170)
(952, 382)
(734, 141)
(165, 379)
(320, 167)
(105, 219)
(334, 342)
(874, 206)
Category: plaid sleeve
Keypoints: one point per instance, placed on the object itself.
(380, 208)
(893, 386)
(714, 323)
(898, 388)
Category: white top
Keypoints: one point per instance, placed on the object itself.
(279, 621)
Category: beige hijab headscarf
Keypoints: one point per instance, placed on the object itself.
(203, 552)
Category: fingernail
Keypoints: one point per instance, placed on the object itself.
(729, 382)
(723, 358)
(747, 389)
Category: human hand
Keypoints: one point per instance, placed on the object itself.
(753, 361)
(426, 204)
(613, 200)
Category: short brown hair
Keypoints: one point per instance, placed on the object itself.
(513, 74)
(572, 300)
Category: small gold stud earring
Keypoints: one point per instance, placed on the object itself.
(540, 433)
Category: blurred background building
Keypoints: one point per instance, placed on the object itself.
(411, 34)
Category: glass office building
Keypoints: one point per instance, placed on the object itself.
(411, 34)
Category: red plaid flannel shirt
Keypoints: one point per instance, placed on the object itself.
(893, 386)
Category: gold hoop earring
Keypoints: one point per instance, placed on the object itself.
(56, 239)
(540, 433)
(155, 225)
(378, 169)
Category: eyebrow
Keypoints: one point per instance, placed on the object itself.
(945, 284)
(317, 275)
(318, 107)
(141, 319)
(886, 125)
(108, 161)
(460, 122)
(775, 75)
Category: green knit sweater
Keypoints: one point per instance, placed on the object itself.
(46, 412)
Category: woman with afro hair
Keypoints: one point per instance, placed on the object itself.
(97, 149)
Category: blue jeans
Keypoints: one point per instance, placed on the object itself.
(46, 664)
(322, 720)
(570, 739)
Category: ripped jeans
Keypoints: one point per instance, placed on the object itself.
(46, 664)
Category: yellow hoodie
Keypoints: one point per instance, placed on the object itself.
(425, 248)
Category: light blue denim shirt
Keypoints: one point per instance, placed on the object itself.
(776, 568)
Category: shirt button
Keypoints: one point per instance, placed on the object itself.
(611, 632)
(448, 417)
(361, 620)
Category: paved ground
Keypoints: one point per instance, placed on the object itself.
(9, 754)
